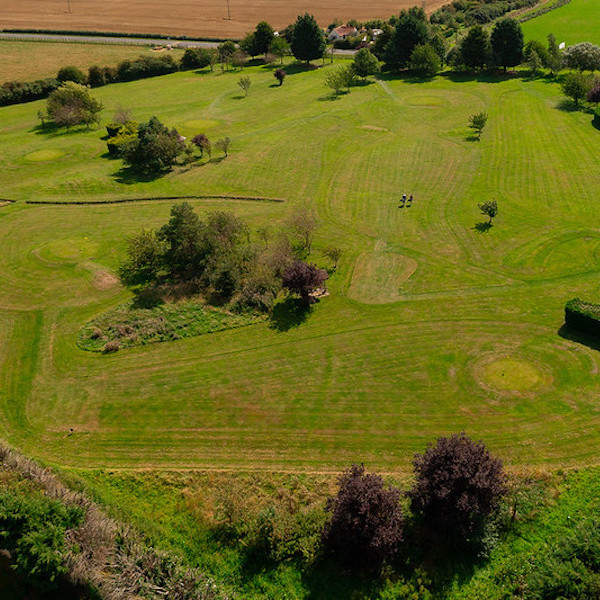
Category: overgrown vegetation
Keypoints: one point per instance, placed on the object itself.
(127, 326)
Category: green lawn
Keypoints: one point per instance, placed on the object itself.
(431, 327)
(578, 21)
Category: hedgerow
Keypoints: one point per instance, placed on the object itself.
(583, 316)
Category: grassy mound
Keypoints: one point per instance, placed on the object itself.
(126, 326)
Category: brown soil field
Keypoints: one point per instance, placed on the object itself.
(206, 18)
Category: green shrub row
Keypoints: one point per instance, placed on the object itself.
(149, 199)
(16, 92)
(583, 316)
(538, 12)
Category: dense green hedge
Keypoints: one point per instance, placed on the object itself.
(583, 316)
(16, 92)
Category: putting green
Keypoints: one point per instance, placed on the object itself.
(43, 155)
(69, 250)
(511, 374)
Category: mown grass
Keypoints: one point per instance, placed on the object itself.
(380, 367)
(26, 61)
(578, 21)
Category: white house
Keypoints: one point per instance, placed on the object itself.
(342, 32)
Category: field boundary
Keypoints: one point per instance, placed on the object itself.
(150, 199)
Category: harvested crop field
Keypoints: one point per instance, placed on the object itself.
(186, 17)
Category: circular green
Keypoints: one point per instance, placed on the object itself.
(511, 374)
(43, 155)
(73, 249)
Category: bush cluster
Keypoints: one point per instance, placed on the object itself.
(468, 12)
(219, 258)
(16, 92)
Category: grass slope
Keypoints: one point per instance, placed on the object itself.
(578, 21)
(372, 375)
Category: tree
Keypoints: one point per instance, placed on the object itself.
(96, 76)
(584, 57)
(303, 223)
(144, 262)
(302, 278)
(71, 73)
(223, 145)
(154, 149)
(334, 253)
(477, 122)
(308, 40)
(594, 94)
(279, 47)
(425, 60)
(279, 74)
(576, 86)
(340, 79)
(183, 237)
(475, 48)
(245, 83)
(366, 521)
(489, 208)
(507, 43)
(458, 485)
(225, 51)
(411, 31)
(195, 58)
(203, 143)
(535, 46)
(263, 37)
(534, 62)
(554, 60)
(247, 44)
(73, 104)
(365, 63)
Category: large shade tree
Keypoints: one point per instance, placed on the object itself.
(507, 43)
(308, 39)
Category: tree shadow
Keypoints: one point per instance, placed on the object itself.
(333, 97)
(483, 227)
(290, 313)
(569, 105)
(52, 129)
(573, 335)
(129, 176)
(472, 138)
(325, 580)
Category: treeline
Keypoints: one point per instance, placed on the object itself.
(220, 258)
(465, 13)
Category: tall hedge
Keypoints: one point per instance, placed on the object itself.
(583, 316)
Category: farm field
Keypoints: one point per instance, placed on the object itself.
(431, 327)
(578, 21)
(26, 61)
(186, 17)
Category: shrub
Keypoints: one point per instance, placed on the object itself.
(71, 73)
(458, 486)
(154, 149)
(576, 85)
(302, 278)
(72, 104)
(366, 520)
(111, 346)
(584, 57)
(425, 60)
(583, 316)
(15, 92)
(195, 58)
(96, 76)
(146, 66)
(365, 63)
(280, 75)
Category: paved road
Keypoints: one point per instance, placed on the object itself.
(98, 39)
